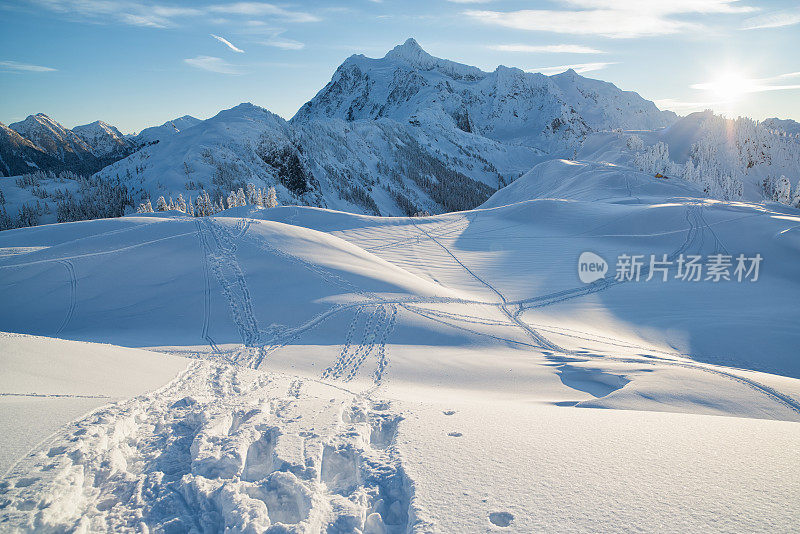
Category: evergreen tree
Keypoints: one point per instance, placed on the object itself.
(272, 198)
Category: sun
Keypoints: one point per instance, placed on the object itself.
(728, 86)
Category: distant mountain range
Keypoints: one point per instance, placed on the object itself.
(391, 136)
(41, 143)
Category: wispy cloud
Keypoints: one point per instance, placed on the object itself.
(681, 106)
(283, 44)
(577, 67)
(227, 43)
(783, 82)
(272, 36)
(138, 13)
(620, 19)
(24, 67)
(213, 64)
(556, 49)
(469, 1)
(258, 9)
(775, 19)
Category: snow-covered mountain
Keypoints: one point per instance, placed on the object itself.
(154, 134)
(105, 141)
(507, 105)
(59, 142)
(392, 136)
(367, 166)
(19, 155)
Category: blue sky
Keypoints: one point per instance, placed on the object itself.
(136, 63)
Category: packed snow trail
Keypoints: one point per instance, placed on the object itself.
(221, 447)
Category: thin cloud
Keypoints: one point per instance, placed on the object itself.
(257, 9)
(138, 13)
(227, 43)
(679, 105)
(577, 67)
(671, 7)
(213, 64)
(756, 85)
(283, 44)
(620, 19)
(272, 37)
(24, 67)
(776, 19)
(556, 49)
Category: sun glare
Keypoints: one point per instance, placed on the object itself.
(728, 86)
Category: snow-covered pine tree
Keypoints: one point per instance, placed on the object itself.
(272, 198)
(783, 190)
(161, 204)
(251, 193)
(145, 207)
(796, 196)
(180, 204)
(232, 200)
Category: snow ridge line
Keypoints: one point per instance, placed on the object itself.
(73, 295)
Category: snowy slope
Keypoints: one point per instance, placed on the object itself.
(50, 382)
(434, 374)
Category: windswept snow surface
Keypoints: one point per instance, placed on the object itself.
(45, 383)
(433, 374)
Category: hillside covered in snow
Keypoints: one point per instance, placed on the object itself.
(326, 371)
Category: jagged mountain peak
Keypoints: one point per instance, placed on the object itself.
(38, 120)
(105, 140)
(410, 51)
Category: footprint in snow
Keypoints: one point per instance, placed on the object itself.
(501, 519)
(449, 412)
(455, 434)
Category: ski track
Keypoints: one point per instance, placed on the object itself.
(73, 296)
(380, 323)
(559, 354)
(204, 248)
(226, 447)
(220, 447)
